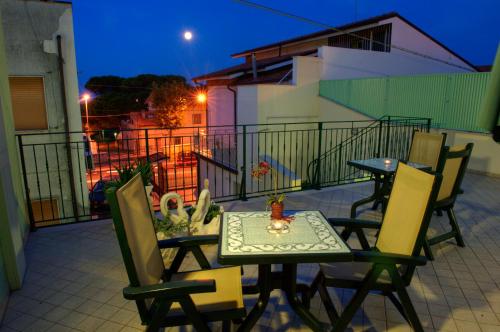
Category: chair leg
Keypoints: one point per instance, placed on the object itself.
(200, 258)
(328, 303)
(226, 326)
(357, 299)
(439, 212)
(398, 305)
(158, 316)
(428, 250)
(454, 226)
(406, 301)
(362, 239)
(346, 233)
(314, 286)
(193, 315)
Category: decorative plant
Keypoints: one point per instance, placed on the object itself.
(127, 172)
(170, 229)
(213, 211)
(262, 170)
(146, 172)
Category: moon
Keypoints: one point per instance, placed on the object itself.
(188, 35)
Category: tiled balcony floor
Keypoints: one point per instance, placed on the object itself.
(75, 273)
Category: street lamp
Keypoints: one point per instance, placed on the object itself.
(201, 97)
(86, 98)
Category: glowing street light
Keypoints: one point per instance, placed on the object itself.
(201, 97)
(86, 98)
(188, 35)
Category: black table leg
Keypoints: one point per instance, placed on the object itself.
(264, 283)
(371, 198)
(290, 288)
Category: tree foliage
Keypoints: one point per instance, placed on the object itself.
(117, 95)
(170, 100)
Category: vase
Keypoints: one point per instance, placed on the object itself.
(277, 210)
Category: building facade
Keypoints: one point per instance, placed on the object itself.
(42, 74)
(279, 82)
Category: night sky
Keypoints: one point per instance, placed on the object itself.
(130, 37)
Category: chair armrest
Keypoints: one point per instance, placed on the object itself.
(169, 289)
(354, 223)
(188, 241)
(385, 258)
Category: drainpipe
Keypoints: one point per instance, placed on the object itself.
(66, 128)
(254, 66)
(235, 103)
(235, 114)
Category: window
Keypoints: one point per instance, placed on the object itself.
(196, 118)
(45, 211)
(177, 140)
(375, 39)
(28, 103)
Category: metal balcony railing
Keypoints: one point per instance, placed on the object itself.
(65, 173)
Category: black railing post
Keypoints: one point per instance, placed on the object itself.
(429, 124)
(243, 186)
(146, 135)
(318, 165)
(339, 166)
(26, 186)
(387, 137)
(380, 128)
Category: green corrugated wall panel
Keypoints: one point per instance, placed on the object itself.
(453, 101)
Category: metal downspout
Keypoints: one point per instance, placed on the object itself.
(66, 128)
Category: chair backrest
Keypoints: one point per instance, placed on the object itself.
(452, 166)
(136, 234)
(408, 211)
(426, 148)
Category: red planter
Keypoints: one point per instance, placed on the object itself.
(277, 210)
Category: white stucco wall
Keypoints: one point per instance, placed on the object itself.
(343, 63)
(405, 36)
(220, 106)
(296, 102)
(485, 154)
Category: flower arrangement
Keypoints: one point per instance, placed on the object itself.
(275, 200)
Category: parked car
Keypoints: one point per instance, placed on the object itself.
(154, 157)
(185, 159)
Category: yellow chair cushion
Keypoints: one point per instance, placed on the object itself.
(450, 174)
(352, 271)
(228, 294)
(426, 149)
(405, 211)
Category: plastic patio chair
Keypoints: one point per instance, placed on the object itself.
(389, 266)
(452, 166)
(166, 297)
(426, 148)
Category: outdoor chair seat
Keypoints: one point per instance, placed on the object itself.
(227, 295)
(351, 271)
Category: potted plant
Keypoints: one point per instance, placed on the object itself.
(275, 200)
(127, 172)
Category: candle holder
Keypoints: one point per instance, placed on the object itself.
(387, 161)
(278, 226)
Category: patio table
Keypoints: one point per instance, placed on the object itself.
(382, 169)
(245, 240)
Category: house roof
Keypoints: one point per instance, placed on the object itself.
(349, 26)
(247, 67)
(321, 33)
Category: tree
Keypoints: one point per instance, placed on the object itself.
(170, 100)
(118, 95)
